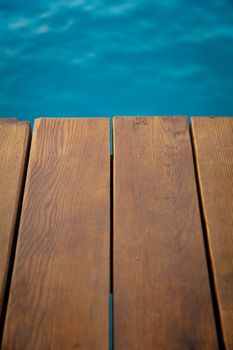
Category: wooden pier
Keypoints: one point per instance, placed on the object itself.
(154, 227)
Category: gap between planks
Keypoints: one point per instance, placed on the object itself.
(207, 250)
(16, 228)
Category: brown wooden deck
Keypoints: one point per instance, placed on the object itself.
(157, 222)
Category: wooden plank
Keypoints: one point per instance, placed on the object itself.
(213, 142)
(14, 141)
(59, 297)
(162, 297)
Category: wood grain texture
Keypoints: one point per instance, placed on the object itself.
(213, 142)
(162, 296)
(59, 297)
(14, 141)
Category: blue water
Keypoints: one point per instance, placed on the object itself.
(105, 58)
(133, 57)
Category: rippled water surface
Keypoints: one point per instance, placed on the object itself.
(92, 58)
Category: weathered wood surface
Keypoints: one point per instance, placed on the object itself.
(213, 142)
(14, 141)
(59, 296)
(162, 296)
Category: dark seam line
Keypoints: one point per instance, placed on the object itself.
(111, 226)
(111, 249)
(207, 248)
(111, 319)
(14, 242)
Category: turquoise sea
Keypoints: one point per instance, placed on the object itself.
(105, 58)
